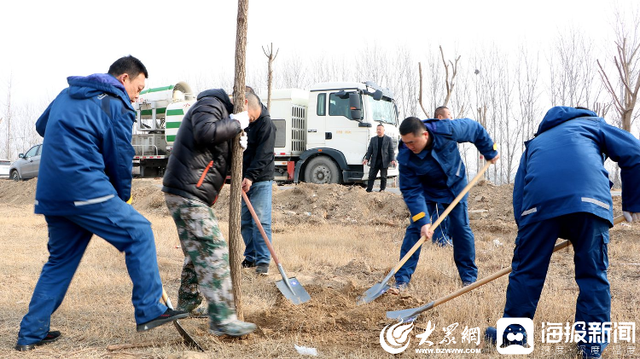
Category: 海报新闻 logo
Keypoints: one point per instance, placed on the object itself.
(514, 336)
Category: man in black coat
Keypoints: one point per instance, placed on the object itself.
(196, 172)
(258, 172)
(379, 155)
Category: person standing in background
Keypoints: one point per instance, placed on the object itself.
(258, 169)
(379, 156)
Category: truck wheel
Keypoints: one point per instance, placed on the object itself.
(322, 170)
(14, 175)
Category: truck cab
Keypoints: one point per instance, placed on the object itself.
(323, 133)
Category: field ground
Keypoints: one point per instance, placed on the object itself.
(337, 241)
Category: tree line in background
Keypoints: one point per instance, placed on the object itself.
(508, 92)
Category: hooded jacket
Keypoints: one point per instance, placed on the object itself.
(87, 152)
(562, 169)
(202, 149)
(258, 159)
(446, 135)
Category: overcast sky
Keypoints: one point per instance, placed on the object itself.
(43, 42)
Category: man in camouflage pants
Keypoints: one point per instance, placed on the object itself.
(196, 171)
(206, 259)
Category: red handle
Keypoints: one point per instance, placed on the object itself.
(257, 221)
(204, 173)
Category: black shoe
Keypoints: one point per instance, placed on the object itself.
(50, 338)
(247, 264)
(168, 316)
(263, 269)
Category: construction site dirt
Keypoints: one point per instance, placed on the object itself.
(338, 241)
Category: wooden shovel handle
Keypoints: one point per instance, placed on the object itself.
(443, 216)
(502, 272)
(256, 220)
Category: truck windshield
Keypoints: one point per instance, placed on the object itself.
(381, 111)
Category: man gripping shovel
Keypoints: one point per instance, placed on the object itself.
(407, 315)
(194, 177)
(432, 172)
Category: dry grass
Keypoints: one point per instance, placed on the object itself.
(335, 263)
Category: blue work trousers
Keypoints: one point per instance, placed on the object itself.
(256, 250)
(589, 235)
(120, 225)
(464, 250)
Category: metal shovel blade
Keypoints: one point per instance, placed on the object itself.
(377, 290)
(407, 315)
(372, 293)
(294, 292)
(291, 288)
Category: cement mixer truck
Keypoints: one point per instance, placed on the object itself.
(159, 114)
(322, 133)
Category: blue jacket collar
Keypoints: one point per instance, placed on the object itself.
(559, 114)
(89, 86)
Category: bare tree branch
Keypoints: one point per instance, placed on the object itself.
(420, 97)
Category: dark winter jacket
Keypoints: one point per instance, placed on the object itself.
(202, 149)
(258, 159)
(414, 184)
(387, 151)
(87, 152)
(562, 169)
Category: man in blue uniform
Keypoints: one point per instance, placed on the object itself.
(83, 183)
(432, 173)
(562, 190)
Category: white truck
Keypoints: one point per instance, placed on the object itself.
(322, 134)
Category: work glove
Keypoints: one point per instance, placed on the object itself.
(242, 118)
(243, 140)
(631, 216)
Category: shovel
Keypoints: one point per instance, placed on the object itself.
(411, 314)
(289, 287)
(379, 288)
(188, 339)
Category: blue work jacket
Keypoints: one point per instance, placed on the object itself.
(87, 152)
(562, 169)
(446, 135)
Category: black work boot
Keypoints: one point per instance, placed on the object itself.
(169, 316)
(50, 338)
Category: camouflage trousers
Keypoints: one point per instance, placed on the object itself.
(205, 271)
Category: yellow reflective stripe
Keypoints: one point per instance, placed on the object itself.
(418, 216)
(495, 146)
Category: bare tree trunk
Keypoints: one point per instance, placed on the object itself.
(449, 82)
(235, 195)
(271, 58)
(626, 65)
(420, 97)
(8, 119)
(482, 119)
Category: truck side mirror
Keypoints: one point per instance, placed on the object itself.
(377, 95)
(355, 105)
